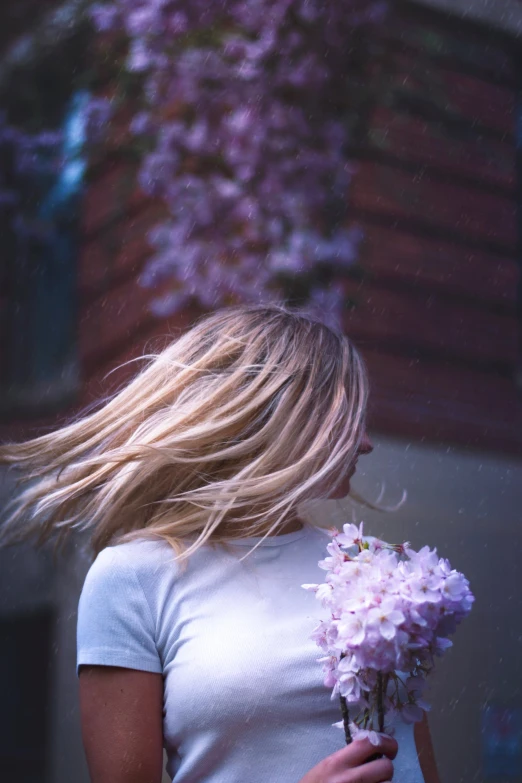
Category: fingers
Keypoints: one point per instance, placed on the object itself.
(375, 772)
(351, 764)
(361, 751)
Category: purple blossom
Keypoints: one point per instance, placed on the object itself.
(141, 123)
(255, 164)
(29, 163)
(140, 58)
(97, 115)
(169, 303)
(158, 169)
(104, 17)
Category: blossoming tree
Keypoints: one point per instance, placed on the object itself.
(244, 112)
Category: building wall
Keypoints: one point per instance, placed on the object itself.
(437, 196)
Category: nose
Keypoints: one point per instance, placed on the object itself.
(366, 446)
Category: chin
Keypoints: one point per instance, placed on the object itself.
(341, 492)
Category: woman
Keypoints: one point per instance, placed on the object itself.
(193, 628)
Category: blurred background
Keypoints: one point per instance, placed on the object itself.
(160, 158)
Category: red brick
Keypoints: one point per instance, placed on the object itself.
(118, 250)
(390, 254)
(417, 141)
(430, 322)
(386, 191)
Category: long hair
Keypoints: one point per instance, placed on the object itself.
(252, 411)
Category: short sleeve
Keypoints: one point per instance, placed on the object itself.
(115, 623)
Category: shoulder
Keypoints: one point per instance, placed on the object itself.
(131, 564)
(140, 555)
(117, 612)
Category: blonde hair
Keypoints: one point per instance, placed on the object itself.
(220, 436)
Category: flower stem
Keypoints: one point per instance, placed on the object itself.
(346, 720)
(380, 698)
(380, 713)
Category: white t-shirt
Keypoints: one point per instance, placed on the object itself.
(244, 699)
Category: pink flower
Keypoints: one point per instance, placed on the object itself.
(390, 610)
(336, 558)
(352, 628)
(455, 586)
(351, 535)
(415, 684)
(421, 591)
(411, 713)
(386, 618)
(358, 734)
(351, 686)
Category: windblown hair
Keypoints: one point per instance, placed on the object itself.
(252, 411)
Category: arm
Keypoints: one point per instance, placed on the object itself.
(121, 719)
(421, 732)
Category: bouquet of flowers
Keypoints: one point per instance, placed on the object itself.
(391, 612)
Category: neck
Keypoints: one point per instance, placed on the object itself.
(291, 526)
